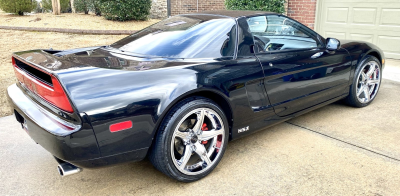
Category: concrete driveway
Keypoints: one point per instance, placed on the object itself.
(335, 150)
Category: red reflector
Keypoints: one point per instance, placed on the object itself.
(121, 126)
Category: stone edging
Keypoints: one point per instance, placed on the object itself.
(73, 31)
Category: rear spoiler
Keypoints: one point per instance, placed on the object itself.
(33, 70)
(39, 59)
(49, 60)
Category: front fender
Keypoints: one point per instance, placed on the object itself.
(358, 50)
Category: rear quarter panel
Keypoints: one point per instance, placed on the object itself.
(110, 96)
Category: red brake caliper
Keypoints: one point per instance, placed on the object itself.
(219, 139)
(204, 128)
(219, 142)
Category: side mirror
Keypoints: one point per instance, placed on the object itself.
(332, 44)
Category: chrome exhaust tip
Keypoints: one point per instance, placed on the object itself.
(66, 169)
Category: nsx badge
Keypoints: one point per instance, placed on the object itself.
(243, 129)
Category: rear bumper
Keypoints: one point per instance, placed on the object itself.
(40, 116)
(77, 146)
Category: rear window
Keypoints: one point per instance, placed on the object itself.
(184, 37)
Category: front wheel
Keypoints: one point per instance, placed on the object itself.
(191, 140)
(366, 82)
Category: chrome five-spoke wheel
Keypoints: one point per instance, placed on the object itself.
(191, 139)
(197, 141)
(368, 82)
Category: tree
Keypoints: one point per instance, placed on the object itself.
(56, 7)
(73, 6)
(258, 5)
(17, 6)
(48, 5)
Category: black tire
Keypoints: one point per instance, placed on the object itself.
(352, 99)
(160, 153)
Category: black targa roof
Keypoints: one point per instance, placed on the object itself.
(232, 13)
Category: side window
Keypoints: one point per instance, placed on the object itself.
(245, 39)
(184, 37)
(228, 46)
(273, 32)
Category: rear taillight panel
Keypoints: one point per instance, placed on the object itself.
(42, 84)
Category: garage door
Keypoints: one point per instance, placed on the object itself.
(375, 21)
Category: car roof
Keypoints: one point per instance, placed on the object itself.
(232, 13)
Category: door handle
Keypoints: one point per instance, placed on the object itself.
(316, 55)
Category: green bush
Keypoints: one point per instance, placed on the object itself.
(82, 5)
(124, 10)
(258, 5)
(96, 7)
(46, 5)
(65, 6)
(17, 6)
(88, 5)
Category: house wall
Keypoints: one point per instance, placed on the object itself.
(159, 9)
(190, 6)
(303, 11)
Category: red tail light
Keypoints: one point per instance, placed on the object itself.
(53, 93)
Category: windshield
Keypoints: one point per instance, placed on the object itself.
(189, 36)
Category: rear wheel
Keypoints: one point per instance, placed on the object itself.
(366, 83)
(191, 140)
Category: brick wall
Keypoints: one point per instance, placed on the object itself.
(303, 11)
(190, 6)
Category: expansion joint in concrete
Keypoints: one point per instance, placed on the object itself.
(348, 143)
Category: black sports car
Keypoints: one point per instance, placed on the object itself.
(179, 90)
